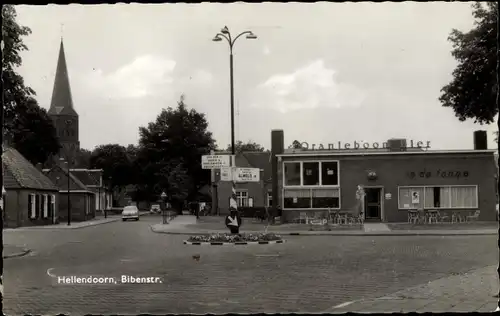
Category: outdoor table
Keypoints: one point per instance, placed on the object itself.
(432, 215)
(413, 214)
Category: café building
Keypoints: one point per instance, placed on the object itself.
(397, 175)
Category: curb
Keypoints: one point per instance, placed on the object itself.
(395, 234)
(22, 253)
(206, 243)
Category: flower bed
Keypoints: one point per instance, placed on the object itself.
(235, 238)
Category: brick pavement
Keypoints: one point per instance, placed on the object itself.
(304, 275)
(472, 291)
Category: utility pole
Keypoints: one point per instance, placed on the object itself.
(1, 182)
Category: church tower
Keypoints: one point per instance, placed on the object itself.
(62, 112)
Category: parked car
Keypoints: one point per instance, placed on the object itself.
(130, 212)
(155, 209)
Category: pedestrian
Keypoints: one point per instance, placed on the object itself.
(233, 222)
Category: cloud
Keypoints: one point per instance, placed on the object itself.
(308, 87)
(146, 75)
(266, 51)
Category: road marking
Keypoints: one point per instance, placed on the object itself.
(343, 304)
(51, 275)
(268, 255)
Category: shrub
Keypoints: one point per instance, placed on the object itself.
(235, 238)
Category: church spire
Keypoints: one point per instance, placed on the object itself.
(62, 102)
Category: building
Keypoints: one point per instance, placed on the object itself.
(397, 176)
(62, 111)
(30, 197)
(249, 194)
(93, 180)
(81, 198)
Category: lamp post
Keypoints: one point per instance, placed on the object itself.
(224, 33)
(163, 197)
(69, 192)
(1, 175)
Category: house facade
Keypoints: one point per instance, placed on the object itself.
(396, 177)
(93, 180)
(248, 194)
(30, 198)
(75, 197)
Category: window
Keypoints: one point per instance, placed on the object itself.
(45, 202)
(448, 197)
(31, 206)
(297, 198)
(310, 173)
(292, 173)
(242, 198)
(329, 173)
(250, 202)
(269, 198)
(326, 198)
(52, 205)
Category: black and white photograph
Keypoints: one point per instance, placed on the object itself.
(244, 158)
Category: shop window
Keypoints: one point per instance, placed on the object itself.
(329, 173)
(242, 198)
(326, 198)
(297, 198)
(448, 197)
(310, 173)
(292, 173)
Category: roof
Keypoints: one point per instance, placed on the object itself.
(89, 177)
(62, 101)
(75, 183)
(386, 152)
(19, 173)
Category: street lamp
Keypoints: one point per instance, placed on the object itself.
(224, 33)
(69, 192)
(163, 197)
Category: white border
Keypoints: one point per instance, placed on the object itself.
(441, 186)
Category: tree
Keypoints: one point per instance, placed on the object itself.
(115, 162)
(178, 136)
(472, 91)
(33, 133)
(240, 147)
(25, 123)
(82, 159)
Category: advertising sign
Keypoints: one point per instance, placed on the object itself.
(215, 161)
(415, 197)
(226, 174)
(247, 175)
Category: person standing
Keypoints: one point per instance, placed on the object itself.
(233, 222)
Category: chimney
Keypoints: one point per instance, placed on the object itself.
(39, 166)
(277, 147)
(480, 140)
(396, 144)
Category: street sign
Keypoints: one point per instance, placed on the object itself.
(246, 175)
(215, 161)
(226, 174)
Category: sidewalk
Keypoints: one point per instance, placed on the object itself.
(470, 292)
(98, 220)
(11, 251)
(188, 225)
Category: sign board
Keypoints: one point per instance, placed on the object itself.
(415, 197)
(246, 174)
(388, 196)
(215, 161)
(226, 174)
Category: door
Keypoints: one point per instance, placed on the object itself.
(373, 204)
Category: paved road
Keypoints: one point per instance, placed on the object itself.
(307, 274)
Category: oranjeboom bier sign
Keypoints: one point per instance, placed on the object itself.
(359, 145)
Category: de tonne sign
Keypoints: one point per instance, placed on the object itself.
(359, 145)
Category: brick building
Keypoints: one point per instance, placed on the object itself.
(81, 198)
(93, 180)
(30, 197)
(396, 177)
(250, 194)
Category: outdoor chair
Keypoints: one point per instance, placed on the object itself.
(474, 217)
(456, 218)
(413, 217)
(432, 216)
(303, 217)
(442, 217)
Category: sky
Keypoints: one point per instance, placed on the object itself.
(322, 72)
